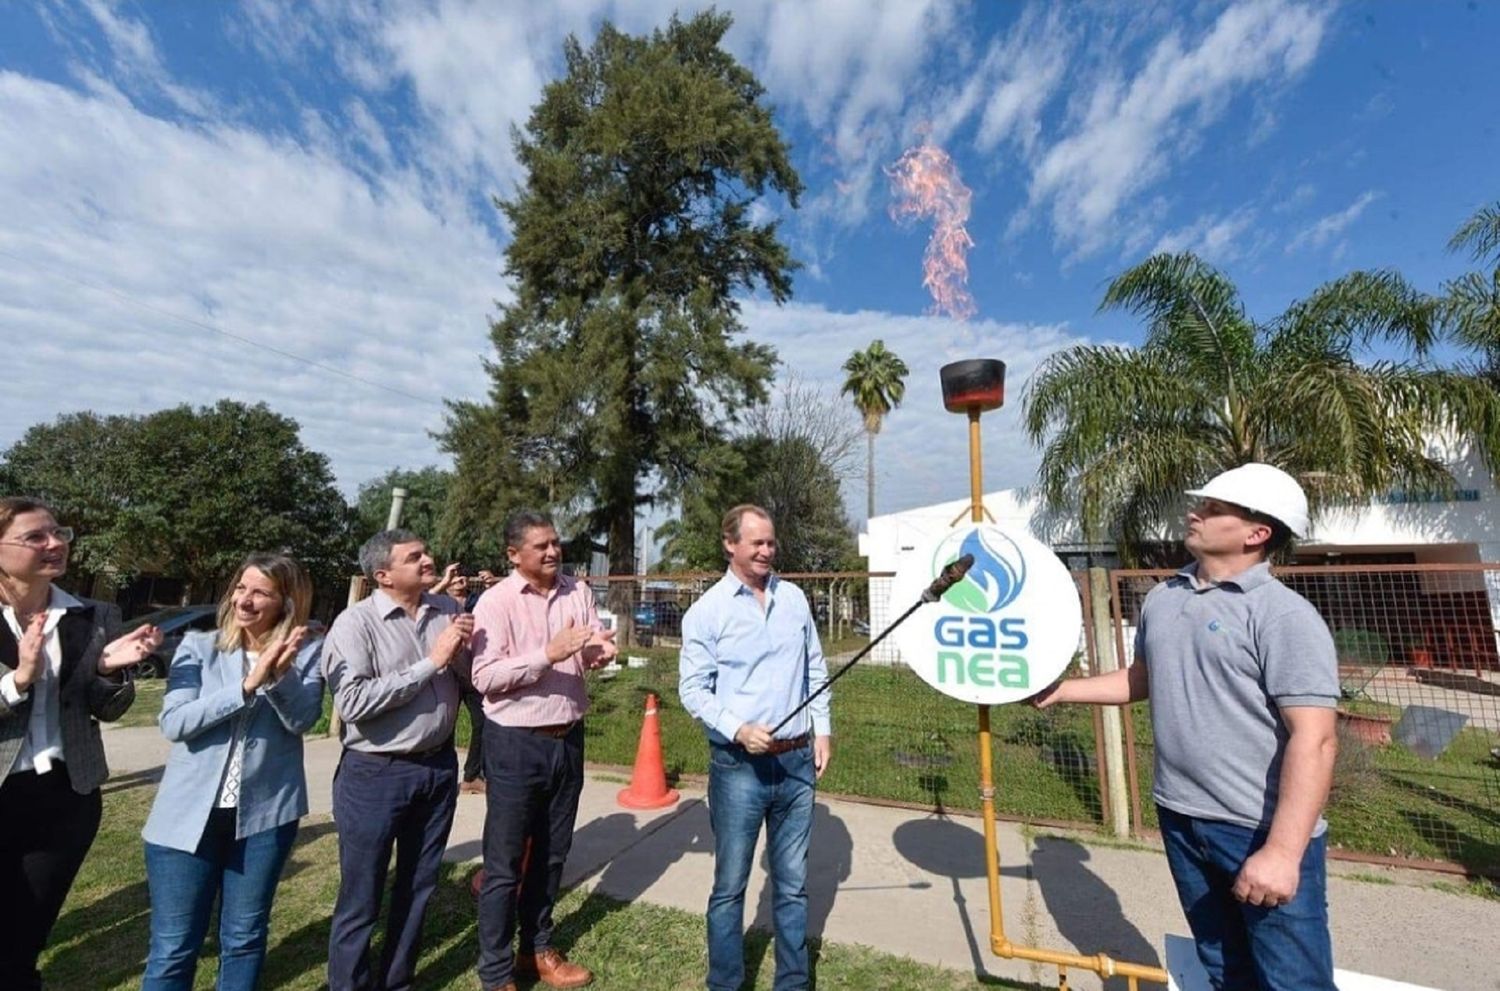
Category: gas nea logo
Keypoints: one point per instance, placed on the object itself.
(1005, 631)
(998, 574)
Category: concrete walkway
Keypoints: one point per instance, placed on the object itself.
(913, 884)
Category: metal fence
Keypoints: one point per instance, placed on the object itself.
(897, 740)
(1418, 773)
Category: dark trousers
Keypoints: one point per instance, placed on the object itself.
(474, 759)
(380, 802)
(532, 785)
(46, 829)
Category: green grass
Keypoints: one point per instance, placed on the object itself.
(896, 739)
(1388, 801)
(99, 944)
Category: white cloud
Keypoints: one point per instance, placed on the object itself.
(116, 219)
(1132, 129)
(137, 60)
(1026, 69)
(921, 454)
(1215, 238)
(1326, 229)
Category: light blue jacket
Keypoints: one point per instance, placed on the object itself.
(203, 704)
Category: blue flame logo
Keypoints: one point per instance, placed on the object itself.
(996, 578)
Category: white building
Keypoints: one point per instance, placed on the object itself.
(1399, 528)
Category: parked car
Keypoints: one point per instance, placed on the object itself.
(657, 619)
(174, 622)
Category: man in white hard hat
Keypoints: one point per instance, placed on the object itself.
(1243, 679)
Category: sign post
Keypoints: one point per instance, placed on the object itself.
(1005, 630)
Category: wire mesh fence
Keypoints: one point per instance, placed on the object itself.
(897, 740)
(1418, 773)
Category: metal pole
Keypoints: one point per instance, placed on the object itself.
(1101, 964)
(986, 760)
(398, 500)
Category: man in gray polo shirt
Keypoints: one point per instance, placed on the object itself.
(389, 662)
(1243, 679)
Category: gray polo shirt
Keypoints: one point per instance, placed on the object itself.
(391, 697)
(1223, 659)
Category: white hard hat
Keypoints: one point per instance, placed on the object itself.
(1263, 489)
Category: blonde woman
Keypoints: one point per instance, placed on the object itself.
(238, 700)
(61, 673)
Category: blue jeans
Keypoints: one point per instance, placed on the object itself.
(745, 791)
(243, 873)
(1246, 947)
(380, 802)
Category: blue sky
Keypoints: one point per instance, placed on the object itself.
(189, 192)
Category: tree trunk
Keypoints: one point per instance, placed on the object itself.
(869, 474)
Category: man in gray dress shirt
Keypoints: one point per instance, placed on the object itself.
(389, 662)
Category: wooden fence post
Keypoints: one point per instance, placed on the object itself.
(1113, 721)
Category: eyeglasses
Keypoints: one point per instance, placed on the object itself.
(38, 539)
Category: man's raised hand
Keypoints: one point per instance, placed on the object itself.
(600, 649)
(567, 642)
(452, 640)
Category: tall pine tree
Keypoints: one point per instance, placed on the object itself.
(621, 357)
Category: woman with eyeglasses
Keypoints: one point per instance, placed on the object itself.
(238, 700)
(62, 671)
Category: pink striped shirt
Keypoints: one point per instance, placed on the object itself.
(512, 624)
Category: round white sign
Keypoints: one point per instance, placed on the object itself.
(1007, 630)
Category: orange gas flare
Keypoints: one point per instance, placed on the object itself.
(925, 183)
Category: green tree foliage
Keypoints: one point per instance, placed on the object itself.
(791, 460)
(1470, 304)
(619, 360)
(422, 513)
(186, 492)
(876, 378)
(1126, 430)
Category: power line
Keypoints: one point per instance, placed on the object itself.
(194, 322)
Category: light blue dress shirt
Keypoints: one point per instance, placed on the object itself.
(742, 663)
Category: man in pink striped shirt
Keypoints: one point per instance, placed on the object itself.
(535, 634)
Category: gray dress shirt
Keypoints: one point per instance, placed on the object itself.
(377, 661)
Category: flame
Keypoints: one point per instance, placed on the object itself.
(925, 183)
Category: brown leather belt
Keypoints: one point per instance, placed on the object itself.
(783, 746)
(556, 732)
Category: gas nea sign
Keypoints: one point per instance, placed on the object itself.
(1007, 630)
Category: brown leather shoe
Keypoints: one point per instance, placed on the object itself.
(554, 969)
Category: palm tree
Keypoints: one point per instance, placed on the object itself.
(1471, 303)
(1126, 430)
(876, 378)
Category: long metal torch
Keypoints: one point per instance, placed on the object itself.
(950, 576)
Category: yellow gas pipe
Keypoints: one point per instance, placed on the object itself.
(1099, 963)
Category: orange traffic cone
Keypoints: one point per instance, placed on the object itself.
(648, 783)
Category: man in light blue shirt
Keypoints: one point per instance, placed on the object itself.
(750, 656)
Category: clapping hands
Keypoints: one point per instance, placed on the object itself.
(129, 650)
(274, 661)
(600, 649)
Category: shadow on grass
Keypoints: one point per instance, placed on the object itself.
(134, 779)
(1477, 850)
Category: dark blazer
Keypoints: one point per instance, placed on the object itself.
(87, 698)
